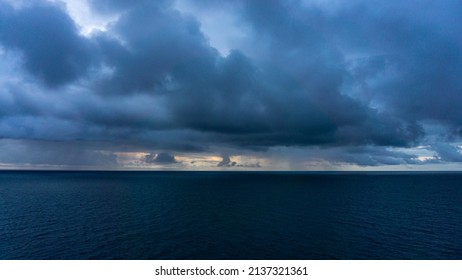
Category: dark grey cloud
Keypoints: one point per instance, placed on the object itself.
(250, 165)
(61, 153)
(409, 56)
(48, 40)
(231, 98)
(373, 156)
(447, 152)
(226, 162)
(160, 158)
(356, 78)
(353, 156)
(155, 43)
(289, 95)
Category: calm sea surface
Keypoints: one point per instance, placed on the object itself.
(219, 215)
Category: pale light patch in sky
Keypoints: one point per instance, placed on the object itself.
(87, 21)
(199, 162)
(135, 160)
(249, 161)
(130, 159)
(425, 158)
(418, 152)
(185, 161)
(9, 68)
(220, 26)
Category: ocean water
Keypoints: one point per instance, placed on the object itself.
(230, 215)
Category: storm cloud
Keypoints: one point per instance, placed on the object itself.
(160, 158)
(48, 41)
(349, 82)
(226, 162)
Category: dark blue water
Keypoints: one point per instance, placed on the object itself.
(208, 215)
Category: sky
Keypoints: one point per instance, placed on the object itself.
(231, 85)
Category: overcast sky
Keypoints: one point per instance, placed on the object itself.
(231, 85)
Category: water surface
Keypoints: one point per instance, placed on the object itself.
(230, 215)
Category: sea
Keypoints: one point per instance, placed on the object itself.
(230, 215)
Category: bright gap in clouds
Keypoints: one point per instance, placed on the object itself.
(219, 26)
(87, 21)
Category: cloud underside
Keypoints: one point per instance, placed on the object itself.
(349, 83)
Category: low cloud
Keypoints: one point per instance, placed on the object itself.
(447, 152)
(226, 162)
(249, 165)
(60, 154)
(160, 158)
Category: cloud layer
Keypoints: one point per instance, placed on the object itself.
(350, 82)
